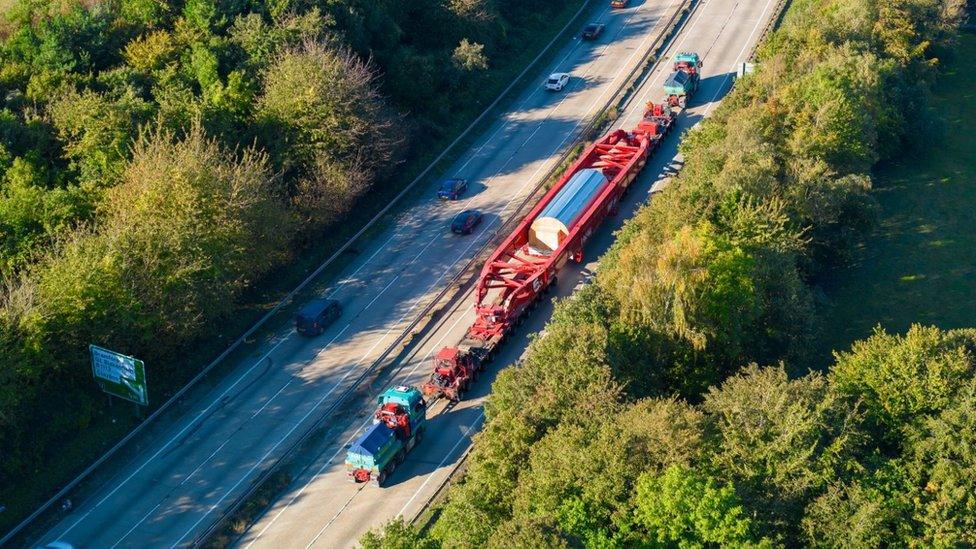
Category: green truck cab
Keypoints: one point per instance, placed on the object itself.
(397, 427)
(683, 81)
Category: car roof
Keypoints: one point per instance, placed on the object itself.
(466, 213)
(558, 74)
(315, 306)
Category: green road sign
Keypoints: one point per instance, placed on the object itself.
(120, 375)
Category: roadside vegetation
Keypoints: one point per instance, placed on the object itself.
(160, 160)
(920, 263)
(671, 402)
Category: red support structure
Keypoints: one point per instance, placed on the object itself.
(515, 275)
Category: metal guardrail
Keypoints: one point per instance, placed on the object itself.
(455, 286)
(459, 465)
(59, 496)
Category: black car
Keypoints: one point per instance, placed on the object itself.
(316, 316)
(466, 221)
(592, 31)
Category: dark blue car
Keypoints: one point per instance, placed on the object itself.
(316, 316)
(451, 189)
(466, 221)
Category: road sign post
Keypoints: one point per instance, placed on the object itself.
(120, 375)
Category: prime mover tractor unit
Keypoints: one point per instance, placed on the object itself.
(683, 81)
(398, 426)
(526, 264)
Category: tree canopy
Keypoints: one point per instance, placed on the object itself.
(159, 160)
(669, 431)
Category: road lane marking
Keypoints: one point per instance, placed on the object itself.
(430, 476)
(273, 448)
(481, 415)
(217, 450)
(349, 278)
(762, 17)
(530, 179)
(355, 434)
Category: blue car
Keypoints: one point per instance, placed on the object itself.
(451, 189)
(466, 221)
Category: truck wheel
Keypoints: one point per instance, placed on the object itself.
(401, 455)
(683, 101)
(380, 479)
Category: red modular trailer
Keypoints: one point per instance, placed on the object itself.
(525, 265)
(555, 231)
(657, 123)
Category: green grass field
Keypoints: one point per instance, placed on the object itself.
(919, 266)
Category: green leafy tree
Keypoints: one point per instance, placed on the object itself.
(941, 457)
(396, 534)
(685, 508)
(781, 442)
(97, 131)
(903, 378)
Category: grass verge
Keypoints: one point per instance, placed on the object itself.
(920, 264)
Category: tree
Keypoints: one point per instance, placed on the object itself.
(98, 131)
(941, 458)
(686, 508)
(322, 120)
(396, 534)
(323, 103)
(470, 56)
(184, 232)
(902, 379)
(516, 534)
(780, 441)
(871, 511)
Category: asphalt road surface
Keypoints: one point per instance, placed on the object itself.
(178, 485)
(321, 508)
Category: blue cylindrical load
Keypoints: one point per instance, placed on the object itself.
(553, 223)
(679, 83)
(374, 449)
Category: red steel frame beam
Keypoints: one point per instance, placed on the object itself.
(619, 155)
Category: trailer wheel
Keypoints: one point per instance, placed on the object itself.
(401, 455)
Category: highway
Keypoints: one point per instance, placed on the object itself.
(321, 508)
(178, 484)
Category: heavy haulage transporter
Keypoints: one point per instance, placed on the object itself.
(526, 265)
(516, 276)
